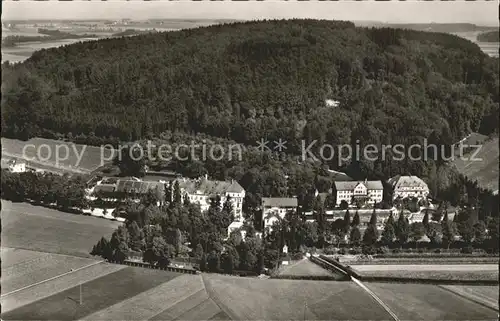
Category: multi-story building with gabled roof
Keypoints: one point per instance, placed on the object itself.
(408, 186)
(371, 191)
(202, 190)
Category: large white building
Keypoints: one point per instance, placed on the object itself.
(17, 166)
(275, 208)
(408, 186)
(349, 191)
(202, 190)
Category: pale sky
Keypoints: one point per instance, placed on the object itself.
(477, 12)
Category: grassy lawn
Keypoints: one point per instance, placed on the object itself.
(426, 260)
(18, 299)
(436, 275)
(25, 226)
(98, 294)
(487, 295)
(429, 271)
(428, 302)
(220, 316)
(303, 268)
(179, 292)
(485, 171)
(255, 299)
(36, 268)
(179, 309)
(90, 160)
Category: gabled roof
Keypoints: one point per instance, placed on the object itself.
(137, 187)
(279, 202)
(350, 185)
(406, 181)
(104, 188)
(209, 187)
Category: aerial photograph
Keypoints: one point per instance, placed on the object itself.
(257, 160)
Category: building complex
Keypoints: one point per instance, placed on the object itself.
(370, 192)
(408, 186)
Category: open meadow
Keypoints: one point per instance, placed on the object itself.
(429, 302)
(303, 267)
(258, 299)
(79, 159)
(429, 271)
(483, 168)
(35, 267)
(25, 226)
(97, 294)
(486, 295)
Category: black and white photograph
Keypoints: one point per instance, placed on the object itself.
(250, 160)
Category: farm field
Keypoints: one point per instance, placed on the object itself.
(25, 226)
(116, 292)
(256, 299)
(423, 260)
(97, 294)
(485, 170)
(35, 267)
(178, 294)
(487, 295)
(303, 267)
(14, 300)
(429, 302)
(90, 156)
(427, 267)
(23, 51)
(426, 271)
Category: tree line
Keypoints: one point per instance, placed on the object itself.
(394, 86)
(159, 234)
(65, 192)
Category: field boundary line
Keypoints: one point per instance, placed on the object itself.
(191, 309)
(218, 302)
(50, 279)
(177, 302)
(373, 295)
(51, 253)
(464, 296)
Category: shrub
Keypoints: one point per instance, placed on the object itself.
(467, 250)
(369, 250)
(383, 250)
(437, 251)
(342, 251)
(355, 251)
(297, 256)
(330, 251)
(396, 251)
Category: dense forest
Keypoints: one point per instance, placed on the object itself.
(492, 36)
(241, 82)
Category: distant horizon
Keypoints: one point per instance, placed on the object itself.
(418, 12)
(244, 20)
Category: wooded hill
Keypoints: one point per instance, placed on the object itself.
(252, 80)
(269, 79)
(247, 80)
